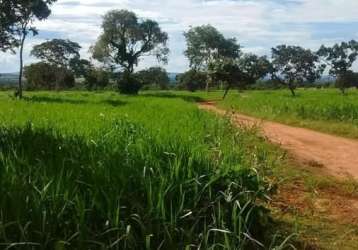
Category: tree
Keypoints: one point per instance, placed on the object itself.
(347, 80)
(241, 72)
(154, 76)
(8, 18)
(43, 75)
(96, 78)
(80, 67)
(58, 52)
(192, 80)
(294, 65)
(19, 16)
(125, 39)
(205, 45)
(340, 58)
(253, 68)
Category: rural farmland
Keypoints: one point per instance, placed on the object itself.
(178, 125)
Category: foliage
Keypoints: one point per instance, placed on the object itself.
(347, 80)
(57, 52)
(96, 78)
(7, 19)
(80, 67)
(129, 84)
(154, 76)
(340, 58)
(49, 77)
(239, 73)
(192, 80)
(20, 16)
(125, 39)
(16, 15)
(100, 171)
(294, 65)
(205, 44)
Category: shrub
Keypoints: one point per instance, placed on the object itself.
(129, 84)
(347, 80)
(154, 78)
(192, 80)
(45, 76)
(96, 79)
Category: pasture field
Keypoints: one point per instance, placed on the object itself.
(83, 170)
(324, 110)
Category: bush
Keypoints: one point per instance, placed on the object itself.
(154, 78)
(96, 79)
(129, 84)
(192, 80)
(45, 76)
(347, 80)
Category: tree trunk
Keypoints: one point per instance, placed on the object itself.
(292, 89)
(207, 86)
(226, 92)
(19, 91)
(208, 82)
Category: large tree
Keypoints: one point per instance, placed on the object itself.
(57, 52)
(205, 45)
(294, 65)
(126, 38)
(17, 18)
(340, 58)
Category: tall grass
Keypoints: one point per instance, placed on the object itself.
(325, 110)
(98, 171)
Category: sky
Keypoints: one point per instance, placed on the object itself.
(258, 25)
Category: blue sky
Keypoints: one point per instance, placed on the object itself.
(258, 25)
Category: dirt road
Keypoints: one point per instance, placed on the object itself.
(338, 156)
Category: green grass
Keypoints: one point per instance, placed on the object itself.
(322, 110)
(83, 170)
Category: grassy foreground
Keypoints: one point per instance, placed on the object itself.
(85, 170)
(324, 110)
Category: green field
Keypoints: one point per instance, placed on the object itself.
(82, 170)
(324, 110)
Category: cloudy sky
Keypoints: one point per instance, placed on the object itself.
(258, 25)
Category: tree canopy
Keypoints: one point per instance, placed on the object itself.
(17, 16)
(126, 38)
(57, 52)
(206, 44)
(154, 76)
(294, 65)
(340, 58)
(241, 72)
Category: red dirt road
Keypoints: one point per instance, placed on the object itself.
(338, 156)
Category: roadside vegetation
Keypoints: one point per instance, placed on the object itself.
(82, 170)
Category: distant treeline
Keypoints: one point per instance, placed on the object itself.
(215, 61)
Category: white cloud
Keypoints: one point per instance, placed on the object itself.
(258, 25)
